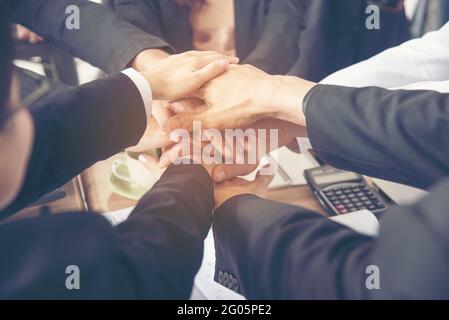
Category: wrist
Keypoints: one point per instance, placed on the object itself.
(287, 95)
(147, 58)
(155, 83)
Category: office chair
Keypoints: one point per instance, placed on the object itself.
(57, 64)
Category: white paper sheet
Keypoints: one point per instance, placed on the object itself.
(291, 167)
(363, 222)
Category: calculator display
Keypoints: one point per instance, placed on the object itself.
(337, 177)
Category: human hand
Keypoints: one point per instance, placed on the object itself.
(233, 156)
(244, 94)
(157, 170)
(285, 133)
(147, 58)
(179, 76)
(25, 34)
(232, 188)
(153, 138)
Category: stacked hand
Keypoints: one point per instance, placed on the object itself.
(230, 96)
(223, 191)
(244, 94)
(179, 76)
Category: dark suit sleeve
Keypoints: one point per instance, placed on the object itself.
(168, 228)
(144, 14)
(401, 136)
(153, 255)
(278, 47)
(275, 251)
(78, 127)
(103, 39)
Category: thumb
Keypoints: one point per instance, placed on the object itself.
(212, 70)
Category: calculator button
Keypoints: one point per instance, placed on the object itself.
(364, 199)
(360, 194)
(347, 191)
(346, 202)
(351, 196)
(343, 211)
(356, 190)
(336, 204)
(343, 197)
(379, 205)
(372, 207)
(338, 193)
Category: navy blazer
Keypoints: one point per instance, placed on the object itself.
(269, 250)
(155, 254)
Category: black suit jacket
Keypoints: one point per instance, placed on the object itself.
(103, 39)
(155, 254)
(267, 31)
(336, 36)
(269, 250)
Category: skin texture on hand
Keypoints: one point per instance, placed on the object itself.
(286, 134)
(153, 138)
(147, 58)
(243, 95)
(179, 76)
(233, 100)
(223, 191)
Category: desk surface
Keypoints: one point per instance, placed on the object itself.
(100, 198)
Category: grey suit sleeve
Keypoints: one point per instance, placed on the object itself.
(144, 14)
(269, 250)
(400, 135)
(278, 47)
(103, 39)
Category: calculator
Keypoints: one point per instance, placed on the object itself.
(341, 192)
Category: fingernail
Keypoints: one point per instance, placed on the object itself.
(220, 176)
(142, 158)
(163, 162)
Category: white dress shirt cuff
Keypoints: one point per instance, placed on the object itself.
(144, 88)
